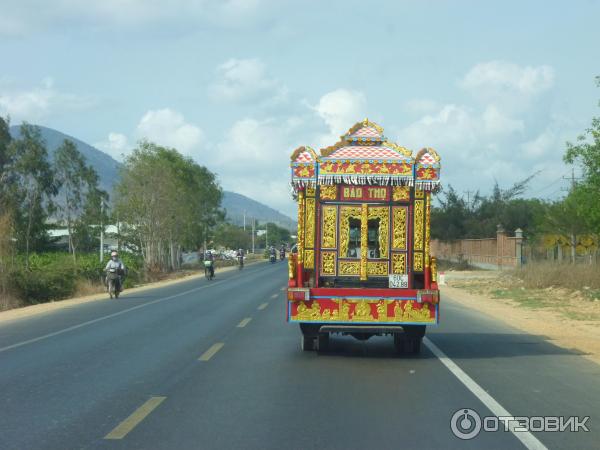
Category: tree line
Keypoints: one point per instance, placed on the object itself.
(575, 215)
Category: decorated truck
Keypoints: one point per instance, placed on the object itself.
(362, 265)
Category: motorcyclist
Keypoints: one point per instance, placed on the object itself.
(210, 258)
(115, 265)
(273, 254)
(240, 257)
(282, 252)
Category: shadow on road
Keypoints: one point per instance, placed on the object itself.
(455, 345)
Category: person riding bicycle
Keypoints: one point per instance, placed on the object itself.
(115, 266)
(209, 263)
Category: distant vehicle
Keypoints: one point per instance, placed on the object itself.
(362, 266)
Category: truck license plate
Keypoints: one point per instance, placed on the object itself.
(398, 281)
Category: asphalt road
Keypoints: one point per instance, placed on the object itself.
(214, 365)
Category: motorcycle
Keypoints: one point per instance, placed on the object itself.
(113, 283)
(282, 254)
(209, 270)
(240, 262)
(273, 258)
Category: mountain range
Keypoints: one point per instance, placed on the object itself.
(236, 205)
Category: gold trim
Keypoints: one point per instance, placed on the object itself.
(427, 226)
(419, 193)
(434, 269)
(329, 225)
(303, 149)
(399, 214)
(364, 241)
(310, 191)
(383, 214)
(310, 223)
(418, 222)
(398, 148)
(300, 242)
(346, 213)
(328, 260)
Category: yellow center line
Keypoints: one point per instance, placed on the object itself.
(133, 420)
(244, 322)
(263, 306)
(274, 295)
(211, 351)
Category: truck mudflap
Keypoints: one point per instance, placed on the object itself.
(419, 307)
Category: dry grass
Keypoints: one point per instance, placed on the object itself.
(86, 287)
(7, 301)
(584, 277)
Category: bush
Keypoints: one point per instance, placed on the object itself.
(572, 276)
(41, 285)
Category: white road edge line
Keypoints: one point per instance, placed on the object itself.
(526, 438)
(110, 316)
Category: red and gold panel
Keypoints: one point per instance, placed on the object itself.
(399, 263)
(304, 171)
(401, 193)
(329, 226)
(399, 220)
(362, 310)
(347, 167)
(427, 173)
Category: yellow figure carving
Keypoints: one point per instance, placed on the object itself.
(399, 263)
(427, 226)
(310, 223)
(418, 262)
(382, 311)
(410, 314)
(379, 268)
(418, 193)
(328, 263)
(328, 234)
(364, 241)
(310, 191)
(399, 228)
(327, 192)
(349, 268)
(401, 193)
(300, 243)
(362, 312)
(419, 212)
(309, 259)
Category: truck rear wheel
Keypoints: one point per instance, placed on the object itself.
(322, 342)
(407, 344)
(307, 343)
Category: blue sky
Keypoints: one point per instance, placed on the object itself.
(495, 87)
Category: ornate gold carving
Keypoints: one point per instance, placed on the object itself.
(349, 268)
(362, 312)
(327, 192)
(399, 227)
(419, 193)
(346, 213)
(291, 271)
(377, 268)
(411, 314)
(310, 191)
(427, 225)
(300, 242)
(364, 241)
(383, 214)
(399, 263)
(401, 193)
(398, 148)
(434, 269)
(310, 223)
(328, 231)
(302, 150)
(418, 262)
(309, 259)
(327, 263)
(419, 211)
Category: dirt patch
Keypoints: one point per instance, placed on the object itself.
(569, 318)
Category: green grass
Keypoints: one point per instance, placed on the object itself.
(523, 297)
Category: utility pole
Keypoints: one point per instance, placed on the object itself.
(244, 220)
(573, 236)
(101, 230)
(266, 235)
(469, 198)
(253, 223)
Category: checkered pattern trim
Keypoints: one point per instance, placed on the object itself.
(366, 132)
(304, 157)
(427, 159)
(365, 152)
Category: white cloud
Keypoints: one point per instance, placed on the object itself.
(169, 128)
(339, 109)
(245, 80)
(38, 102)
(117, 145)
(496, 123)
